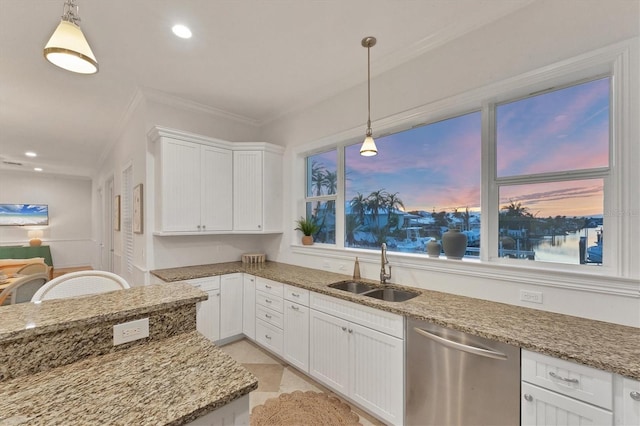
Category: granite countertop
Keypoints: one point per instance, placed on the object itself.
(598, 344)
(30, 319)
(172, 381)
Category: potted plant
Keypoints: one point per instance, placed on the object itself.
(308, 228)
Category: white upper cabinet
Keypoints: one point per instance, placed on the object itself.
(257, 188)
(179, 162)
(209, 186)
(216, 192)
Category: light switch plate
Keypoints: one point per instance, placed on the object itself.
(130, 331)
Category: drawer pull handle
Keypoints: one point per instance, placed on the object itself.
(267, 300)
(267, 336)
(350, 331)
(268, 286)
(344, 328)
(295, 308)
(528, 397)
(635, 395)
(564, 379)
(295, 294)
(267, 315)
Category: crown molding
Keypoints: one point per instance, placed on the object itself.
(188, 105)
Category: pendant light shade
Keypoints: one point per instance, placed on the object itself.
(368, 147)
(68, 48)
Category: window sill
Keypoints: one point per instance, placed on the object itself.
(541, 274)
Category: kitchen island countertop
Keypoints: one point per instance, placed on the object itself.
(170, 381)
(606, 346)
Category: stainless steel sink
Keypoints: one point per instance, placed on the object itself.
(352, 286)
(390, 294)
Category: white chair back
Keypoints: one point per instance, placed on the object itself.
(23, 289)
(80, 283)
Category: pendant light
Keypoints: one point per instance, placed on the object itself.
(68, 48)
(368, 147)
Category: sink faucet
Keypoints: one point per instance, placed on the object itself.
(383, 262)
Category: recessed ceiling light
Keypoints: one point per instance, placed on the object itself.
(37, 169)
(30, 154)
(181, 31)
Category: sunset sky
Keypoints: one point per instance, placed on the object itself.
(438, 166)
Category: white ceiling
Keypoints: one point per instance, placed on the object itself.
(255, 59)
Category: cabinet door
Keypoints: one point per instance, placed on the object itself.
(377, 374)
(247, 190)
(216, 212)
(546, 408)
(231, 289)
(180, 186)
(208, 316)
(296, 335)
(627, 402)
(249, 306)
(329, 350)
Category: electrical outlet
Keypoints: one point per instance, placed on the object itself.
(342, 267)
(531, 296)
(130, 331)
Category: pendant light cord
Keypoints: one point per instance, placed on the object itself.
(369, 90)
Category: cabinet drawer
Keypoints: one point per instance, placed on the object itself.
(568, 378)
(271, 287)
(205, 284)
(543, 407)
(382, 321)
(270, 301)
(269, 336)
(296, 294)
(270, 316)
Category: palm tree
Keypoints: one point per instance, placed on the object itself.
(351, 226)
(330, 183)
(392, 202)
(375, 202)
(359, 207)
(317, 177)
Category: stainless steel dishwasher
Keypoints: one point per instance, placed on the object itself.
(454, 378)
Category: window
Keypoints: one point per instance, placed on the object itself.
(322, 188)
(539, 175)
(552, 153)
(422, 181)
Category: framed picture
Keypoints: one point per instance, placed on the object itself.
(116, 213)
(137, 209)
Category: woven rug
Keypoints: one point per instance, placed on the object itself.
(303, 408)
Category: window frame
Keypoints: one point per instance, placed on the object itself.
(490, 254)
(620, 273)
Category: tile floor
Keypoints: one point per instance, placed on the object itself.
(276, 377)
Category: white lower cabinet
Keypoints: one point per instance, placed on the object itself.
(544, 407)
(208, 311)
(231, 293)
(626, 401)
(361, 363)
(559, 392)
(270, 314)
(296, 327)
(249, 306)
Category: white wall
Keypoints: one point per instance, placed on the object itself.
(69, 200)
(541, 34)
(132, 147)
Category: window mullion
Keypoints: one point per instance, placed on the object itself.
(489, 195)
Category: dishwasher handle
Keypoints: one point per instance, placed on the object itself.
(460, 346)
